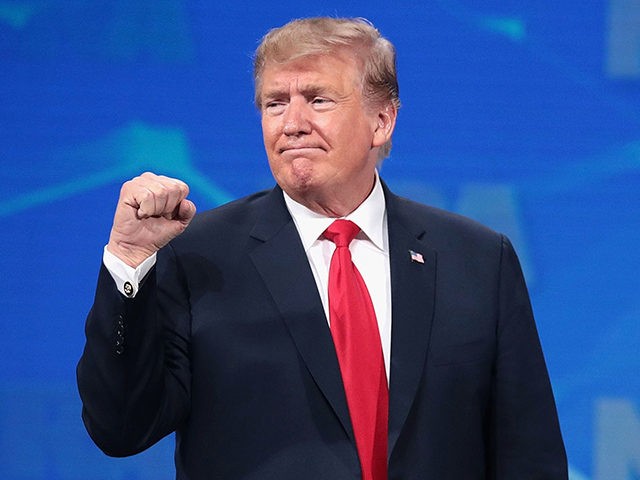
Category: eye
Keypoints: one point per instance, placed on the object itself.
(274, 107)
(322, 103)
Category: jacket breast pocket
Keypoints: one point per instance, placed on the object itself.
(466, 352)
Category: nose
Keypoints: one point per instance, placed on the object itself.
(296, 118)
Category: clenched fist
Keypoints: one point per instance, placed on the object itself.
(152, 210)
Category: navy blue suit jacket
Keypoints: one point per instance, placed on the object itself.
(227, 344)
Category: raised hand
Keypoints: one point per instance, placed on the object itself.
(152, 210)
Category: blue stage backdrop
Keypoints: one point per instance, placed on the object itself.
(524, 115)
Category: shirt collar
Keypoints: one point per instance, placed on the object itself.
(369, 216)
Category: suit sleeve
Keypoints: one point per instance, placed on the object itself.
(527, 442)
(134, 374)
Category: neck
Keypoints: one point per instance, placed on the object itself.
(335, 204)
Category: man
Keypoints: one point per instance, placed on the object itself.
(231, 331)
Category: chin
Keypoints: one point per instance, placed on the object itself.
(301, 174)
(300, 186)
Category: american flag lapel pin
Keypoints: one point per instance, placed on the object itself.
(416, 257)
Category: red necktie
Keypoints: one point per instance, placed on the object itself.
(357, 340)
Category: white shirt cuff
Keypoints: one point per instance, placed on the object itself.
(127, 278)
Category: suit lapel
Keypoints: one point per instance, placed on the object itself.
(412, 303)
(283, 265)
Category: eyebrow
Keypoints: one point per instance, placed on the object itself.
(306, 90)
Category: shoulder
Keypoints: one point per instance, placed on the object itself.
(237, 212)
(463, 245)
(225, 225)
(440, 228)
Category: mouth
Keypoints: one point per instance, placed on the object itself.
(299, 149)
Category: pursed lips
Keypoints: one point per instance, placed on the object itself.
(299, 148)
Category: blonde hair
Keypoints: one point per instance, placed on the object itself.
(326, 35)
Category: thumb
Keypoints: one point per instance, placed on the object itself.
(185, 211)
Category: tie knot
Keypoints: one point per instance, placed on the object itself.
(341, 232)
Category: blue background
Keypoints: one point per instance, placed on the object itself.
(524, 115)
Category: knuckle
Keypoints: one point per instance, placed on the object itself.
(145, 195)
(128, 185)
(161, 190)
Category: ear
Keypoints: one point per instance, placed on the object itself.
(385, 123)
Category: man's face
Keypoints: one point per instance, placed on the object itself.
(320, 136)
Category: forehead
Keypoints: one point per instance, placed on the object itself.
(335, 70)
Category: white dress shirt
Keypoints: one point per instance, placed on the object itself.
(369, 250)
